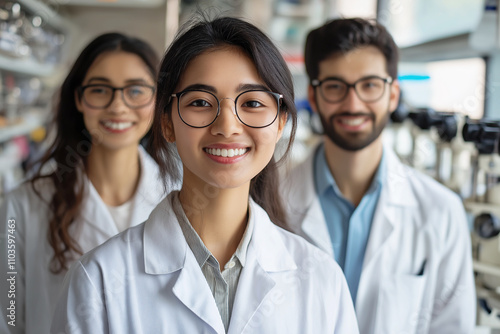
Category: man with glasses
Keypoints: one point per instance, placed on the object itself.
(400, 237)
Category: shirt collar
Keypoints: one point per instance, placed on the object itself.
(241, 251)
(200, 251)
(324, 179)
(266, 248)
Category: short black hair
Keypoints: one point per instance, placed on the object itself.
(341, 36)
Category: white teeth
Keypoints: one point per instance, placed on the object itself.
(353, 121)
(118, 126)
(226, 152)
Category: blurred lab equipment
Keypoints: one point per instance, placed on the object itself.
(484, 204)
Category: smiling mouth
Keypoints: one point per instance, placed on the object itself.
(229, 153)
(352, 121)
(117, 125)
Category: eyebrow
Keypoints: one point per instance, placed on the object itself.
(369, 76)
(240, 88)
(245, 87)
(208, 88)
(129, 81)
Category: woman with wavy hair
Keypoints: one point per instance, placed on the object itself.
(94, 181)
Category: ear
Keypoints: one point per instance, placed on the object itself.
(394, 95)
(167, 128)
(311, 97)
(281, 126)
(78, 102)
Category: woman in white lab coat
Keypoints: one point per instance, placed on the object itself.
(94, 182)
(209, 258)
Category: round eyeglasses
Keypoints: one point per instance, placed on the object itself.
(368, 89)
(254, 108)
(101, 96)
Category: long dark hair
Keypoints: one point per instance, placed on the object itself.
(205, 35)
(68, 153)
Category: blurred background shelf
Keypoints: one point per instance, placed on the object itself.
(29, 122)
(26, 66)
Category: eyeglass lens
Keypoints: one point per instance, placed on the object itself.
(101, 96)
(253, 108)
(368, 90)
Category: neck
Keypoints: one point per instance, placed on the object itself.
(219, 216)
(353, 171)
(114, 173)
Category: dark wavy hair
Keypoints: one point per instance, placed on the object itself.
(202, 36)
(68, 152)
(344, 35)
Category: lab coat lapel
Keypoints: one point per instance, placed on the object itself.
(266, 254)
(302, 193)
(166, 252)
(96, 215)
(193, 291)
(149, 190)
(396, 196)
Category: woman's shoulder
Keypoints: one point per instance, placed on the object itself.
(31, 192)
(117, 251)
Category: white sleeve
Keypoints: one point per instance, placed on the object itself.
(12, 264)
(454, 309)
(346, 317)
(80, 308)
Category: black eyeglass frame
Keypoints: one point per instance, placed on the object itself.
(81, 90)
(278, 97)
(317, 83)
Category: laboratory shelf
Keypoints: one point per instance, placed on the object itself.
(29, 122)
(25, 66)
(48, 14)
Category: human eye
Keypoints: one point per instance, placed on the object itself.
(252, 104)
(256, 101)
(136, 90)
(198, 101)
(371, 83)
(98, 90)
(333, 85)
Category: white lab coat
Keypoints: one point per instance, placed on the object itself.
(419, 226)
(37, 288)
(147, 280)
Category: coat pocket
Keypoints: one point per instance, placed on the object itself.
(399, 307)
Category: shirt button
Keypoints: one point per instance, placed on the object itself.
(231, 264)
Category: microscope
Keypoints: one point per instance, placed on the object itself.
(484, 205)
(436, 148)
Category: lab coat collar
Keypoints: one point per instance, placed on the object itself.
(396, 196)
(305, 215)
(397, 181)
(166, 251)
(149, 192)
(165, 246)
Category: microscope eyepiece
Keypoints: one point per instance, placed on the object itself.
(485, 134)
(487, 225)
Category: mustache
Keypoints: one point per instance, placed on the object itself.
(352, 114)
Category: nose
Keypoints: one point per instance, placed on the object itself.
(352, 101)
(117, 104)
(227, 123)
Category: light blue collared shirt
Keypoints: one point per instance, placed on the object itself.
(349, 226)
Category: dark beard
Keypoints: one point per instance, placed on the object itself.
(354, 143)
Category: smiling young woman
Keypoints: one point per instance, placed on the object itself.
(209, 258)
(94, 181)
